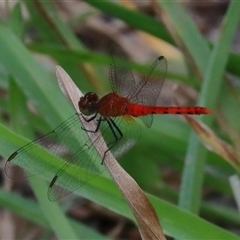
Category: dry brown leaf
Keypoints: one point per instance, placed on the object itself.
(142, 209)
(213, 142)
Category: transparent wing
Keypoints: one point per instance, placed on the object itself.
(63, 140)
(120, 75)
(82, 161)
(147, 91)
(80, 170)
(84, 166)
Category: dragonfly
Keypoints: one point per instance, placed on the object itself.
(113, 115)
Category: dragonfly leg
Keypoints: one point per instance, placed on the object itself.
(89, 120)
(115, 129)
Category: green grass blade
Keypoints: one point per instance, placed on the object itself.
(52, 211)
(133, 18)
(197, 154)
(54, 214)
(195, 44)
(31, 211)
(37, 84)
(176, 222)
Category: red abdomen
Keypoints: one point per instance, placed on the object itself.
(136, 110)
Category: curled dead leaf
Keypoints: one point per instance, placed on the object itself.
(142, 209)
(212, 142)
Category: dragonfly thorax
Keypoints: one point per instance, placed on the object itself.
(88, 103)
(112, 105)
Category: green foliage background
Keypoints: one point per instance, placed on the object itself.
(27, 80)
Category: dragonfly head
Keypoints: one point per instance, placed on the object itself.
(88, 103)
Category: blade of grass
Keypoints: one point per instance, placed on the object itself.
(31, 211)
(196, 155)
(133, 18)
(38, 85)
(55, 216)
(182, 23)
(81, 56)
(175, 222)
(15, 21)
(145, 215)
(17, 99)
(48, 14)
(195, 44)
(53, 213)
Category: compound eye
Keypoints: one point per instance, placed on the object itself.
(87, 103)
(83, 103)
(92, 97)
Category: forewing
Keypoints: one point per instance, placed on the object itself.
(63, 141)
(120, 75)
(69, 141)
(147, 91)
(87, 163)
